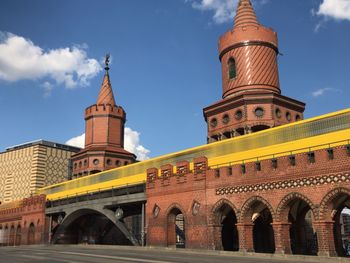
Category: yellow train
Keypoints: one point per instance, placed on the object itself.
(324, 131)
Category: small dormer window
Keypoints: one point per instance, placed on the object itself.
(232, 72)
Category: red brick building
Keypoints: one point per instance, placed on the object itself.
(285, 203)
(104, 135)
(24, 222)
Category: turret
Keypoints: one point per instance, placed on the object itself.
(104, 134)
(251, 94)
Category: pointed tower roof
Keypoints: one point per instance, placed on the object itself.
(245, 14)
(105, 95)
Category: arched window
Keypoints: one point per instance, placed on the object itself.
(232, 72)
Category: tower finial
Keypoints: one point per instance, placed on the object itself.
(245, 14)
(107, 62)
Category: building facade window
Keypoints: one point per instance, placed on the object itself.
(213, 122)
(232, 71)
(225, 119)
(238, 115)
(288, 116)
(278, 113)
(259, 112)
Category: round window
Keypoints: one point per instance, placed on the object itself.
(85, 162)
(259, 112)
(278, 113)
(213, 122)
(117, 163)
(80, 164)
(95, 161)
(297, 117)
(288, 116)
(238, 115)
(108, 162)
(225, 119)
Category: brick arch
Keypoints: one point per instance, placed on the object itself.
(218, 205)
(326, 203)
(282, 208)
(246, 212)
(171, 233)
(176, 206)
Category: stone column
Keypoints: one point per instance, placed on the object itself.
(245, 236)
(282, 237)
(215, 237)
(325, 238)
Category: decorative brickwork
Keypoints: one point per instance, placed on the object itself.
(287, 184)
(275, 202)
(252, 99)
(24, 222)
(104, 135)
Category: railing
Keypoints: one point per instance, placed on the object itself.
(94, 195)
(287, 133)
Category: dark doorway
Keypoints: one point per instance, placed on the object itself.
(31, 234)
(229, 233)
(303, 239)
(341, 229)
(176, 229)
(263, 235)
(92, 228)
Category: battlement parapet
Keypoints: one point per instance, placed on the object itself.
(103, 109)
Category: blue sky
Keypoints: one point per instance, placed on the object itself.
(165, 65)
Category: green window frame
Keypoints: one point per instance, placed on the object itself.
(232, 71)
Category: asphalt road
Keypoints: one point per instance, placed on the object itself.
(85, 254)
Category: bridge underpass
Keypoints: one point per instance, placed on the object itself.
(112, 216)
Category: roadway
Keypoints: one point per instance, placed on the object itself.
(109, 254)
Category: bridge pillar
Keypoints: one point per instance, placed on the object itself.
(325, 238)
(245, 233)
(282, 237)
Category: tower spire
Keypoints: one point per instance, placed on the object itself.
(245, 14)
(105, 95)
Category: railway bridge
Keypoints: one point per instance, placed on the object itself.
(281, 190)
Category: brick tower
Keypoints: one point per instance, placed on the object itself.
(104, 134)
(251, 98)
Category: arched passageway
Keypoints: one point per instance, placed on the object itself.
(18, 236)
(31, 234)
(337, 210)
(256, 219)
(12, 236)
(226, 232)
(2, 236)
(263, 235)
(87, 226)
(176, 235)
(303, 238)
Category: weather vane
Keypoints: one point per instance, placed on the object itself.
(107, 62)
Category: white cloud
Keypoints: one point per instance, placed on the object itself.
(336, 9)
(21, 59)
(131, 143)
(320, 92)
(78, 141)
(47, 86)
(224, 10)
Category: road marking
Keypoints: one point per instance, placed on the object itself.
(116, 257)
(33, 257)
